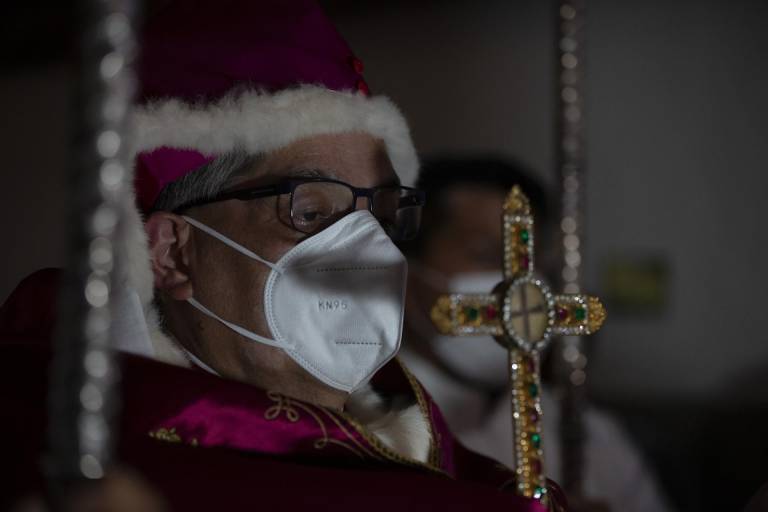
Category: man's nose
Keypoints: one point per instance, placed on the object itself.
(363, 203)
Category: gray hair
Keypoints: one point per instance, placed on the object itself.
(206, 181)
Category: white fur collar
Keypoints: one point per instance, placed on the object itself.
(403, 429)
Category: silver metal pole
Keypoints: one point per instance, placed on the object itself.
(571, 152)
(83, 399)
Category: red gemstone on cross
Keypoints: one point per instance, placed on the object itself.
(529, 366)
(525, 262)
(562, 314)
(490, 312)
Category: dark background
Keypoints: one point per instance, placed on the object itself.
(677, 134)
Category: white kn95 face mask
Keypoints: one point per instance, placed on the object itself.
(476, 359)
(486, 361)
(334, 303)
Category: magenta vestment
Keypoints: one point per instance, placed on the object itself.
(207, 442)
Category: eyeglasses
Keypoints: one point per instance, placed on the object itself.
(316, 203)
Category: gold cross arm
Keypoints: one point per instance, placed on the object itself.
(522, 314)
(462, 314)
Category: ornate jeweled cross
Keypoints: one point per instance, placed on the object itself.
(522, 314)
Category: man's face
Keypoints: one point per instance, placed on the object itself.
(232, 285)
(468, 237)
(464, 237)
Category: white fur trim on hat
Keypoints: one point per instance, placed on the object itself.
(259, 122)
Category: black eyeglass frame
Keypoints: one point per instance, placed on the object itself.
(288, 186)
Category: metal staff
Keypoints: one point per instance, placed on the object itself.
(571, 359)
(83, 398)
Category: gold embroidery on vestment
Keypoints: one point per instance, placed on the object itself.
(170, 435)
(387, 452)
(434, 448)
(166, 434)
(288, 406)
(283, 404)
(346, 432)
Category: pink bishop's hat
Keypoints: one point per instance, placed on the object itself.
(253, 74)
(216, 75)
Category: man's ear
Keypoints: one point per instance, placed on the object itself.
(168, 236)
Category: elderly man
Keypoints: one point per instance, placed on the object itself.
(262, 266)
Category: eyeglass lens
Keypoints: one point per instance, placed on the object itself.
(317, 205)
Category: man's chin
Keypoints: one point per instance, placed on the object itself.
(283, 375)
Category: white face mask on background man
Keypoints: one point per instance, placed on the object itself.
(334, 303)
(478, 359)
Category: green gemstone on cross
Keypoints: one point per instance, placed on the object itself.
(533, 390)
(536, 440)
(580, 314)
(539, 492)
(471, 313)
(524, 236)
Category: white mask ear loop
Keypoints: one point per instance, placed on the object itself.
(196, 361)
(236, 246)
(239, 330)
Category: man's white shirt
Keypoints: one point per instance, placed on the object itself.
(614, 471)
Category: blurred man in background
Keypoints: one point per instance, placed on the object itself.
(459, 250)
